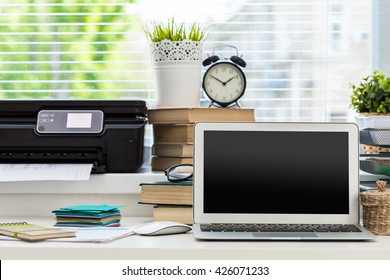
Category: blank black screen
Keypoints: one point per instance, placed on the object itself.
(274, 172)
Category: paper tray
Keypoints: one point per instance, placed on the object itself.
(373, 122)
(375, 137)
(380, 165)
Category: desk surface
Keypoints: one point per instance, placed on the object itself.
(184, 246)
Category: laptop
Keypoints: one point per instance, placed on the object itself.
(277, 181)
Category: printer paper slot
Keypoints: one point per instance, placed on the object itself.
(54, 156)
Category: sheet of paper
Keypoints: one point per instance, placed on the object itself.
(44, 172)
(96, 234)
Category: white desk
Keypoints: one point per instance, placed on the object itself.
(184, 246)
(38, 199)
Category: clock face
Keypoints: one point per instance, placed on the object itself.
(224, 83)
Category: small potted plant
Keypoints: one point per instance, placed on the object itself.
(176, 52)
(371, 99)
(372, 95)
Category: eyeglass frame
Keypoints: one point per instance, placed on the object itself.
(168, 170)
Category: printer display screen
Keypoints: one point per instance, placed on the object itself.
(70, 121)
(79, 120)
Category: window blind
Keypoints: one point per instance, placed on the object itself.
(301, 55)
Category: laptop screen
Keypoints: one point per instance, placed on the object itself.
(276, 172)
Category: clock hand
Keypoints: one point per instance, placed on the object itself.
(217, 79)
(229, 80)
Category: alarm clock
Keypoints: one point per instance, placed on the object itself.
(224, 82)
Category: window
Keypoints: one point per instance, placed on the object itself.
(301, 55)
(68, 49)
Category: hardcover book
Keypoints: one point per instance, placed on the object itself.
(193, 115)
(180, 214)
(176, 193)
(172, 150)
(162, 163)
(173, 133)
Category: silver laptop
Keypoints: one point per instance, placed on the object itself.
(277, 181)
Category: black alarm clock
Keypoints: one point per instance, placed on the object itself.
(224, 82)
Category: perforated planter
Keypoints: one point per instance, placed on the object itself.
(177, 72)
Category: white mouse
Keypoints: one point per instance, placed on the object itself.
(162, 227)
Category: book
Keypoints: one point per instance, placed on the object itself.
(182, 133)
(162, 163)
(193, 115)
(180, 214)
(31, 232)
(175, 193)
(172, 150)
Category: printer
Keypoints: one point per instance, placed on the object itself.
(107, 133)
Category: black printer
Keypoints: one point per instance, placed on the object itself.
(107, 133)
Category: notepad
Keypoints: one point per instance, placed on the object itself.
(30, 232)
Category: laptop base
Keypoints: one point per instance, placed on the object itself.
(363, 234)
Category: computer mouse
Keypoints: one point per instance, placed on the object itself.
(162, 228)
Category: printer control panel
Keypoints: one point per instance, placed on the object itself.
(69, 121)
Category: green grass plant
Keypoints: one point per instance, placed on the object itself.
(176, 31)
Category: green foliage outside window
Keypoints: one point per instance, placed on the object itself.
(57, 50)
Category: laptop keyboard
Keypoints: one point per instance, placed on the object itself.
(277, 228)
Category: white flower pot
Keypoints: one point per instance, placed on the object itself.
(178, 85)
(177, 72)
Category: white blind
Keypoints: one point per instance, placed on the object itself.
(301, 55)
(71, 48)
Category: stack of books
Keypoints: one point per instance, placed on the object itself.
(173, 131)
(88, 216)
(172, 201)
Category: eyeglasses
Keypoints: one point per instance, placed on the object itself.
(179, 172)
